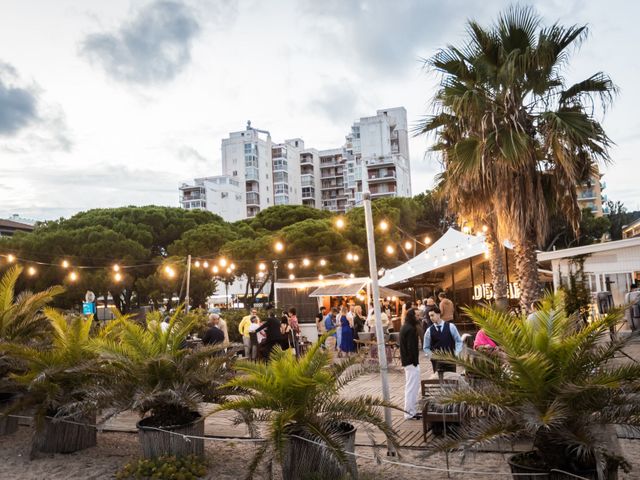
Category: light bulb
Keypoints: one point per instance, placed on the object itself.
(31, 271)
(117, 277)
(232, 266)
(350, 256)
(320, 277)
(11, 258)
(215, 269)
(116, 268)
(73, 276)
(323, 262)
(65, 264)
(290, 266)
(427, 240)
(279, 246)
(262, 267)
(260, 274)
(292, 276)
(408, 245)
(390, 249)
(340, 222)
(197, 264)
(223, 262)
(205, 264)
(306, 262)
(384, 226)
(356, 257)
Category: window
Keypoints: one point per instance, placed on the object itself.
(279, 188)
(280, 177)
(224, 194)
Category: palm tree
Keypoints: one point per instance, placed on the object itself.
(56, 379)
(555, 381)
(521, 135)
(21, 317)
(299, 399)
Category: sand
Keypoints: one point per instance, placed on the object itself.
(229, 461)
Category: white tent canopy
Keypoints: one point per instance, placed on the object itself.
(454, 246)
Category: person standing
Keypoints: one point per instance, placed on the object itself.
(295, 329)
(329, 324)
(346, 339)
(214, 335)
(272, 329)
(358, 320)
(447, 308)
(410, 357)
(441, 337)
(244, 327)
(253, 337)
(222, 325)
(320, 321)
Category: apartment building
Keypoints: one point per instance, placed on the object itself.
(374, 157)
(590, 195)
(221, 194)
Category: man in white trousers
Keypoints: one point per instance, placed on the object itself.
(410, 356)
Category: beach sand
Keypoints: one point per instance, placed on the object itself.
(228, 460)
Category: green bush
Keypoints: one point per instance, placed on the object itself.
(167, 467)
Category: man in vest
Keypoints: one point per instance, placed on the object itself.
(441, 337)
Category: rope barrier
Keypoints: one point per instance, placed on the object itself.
(377, 460)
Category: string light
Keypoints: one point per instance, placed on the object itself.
(197, 264)
(390, 250)
(223, 262)
(279, 246)
(205, 264)
(340, 223)
(169, 271)
(11, 258)
(384, 226)
(323, 262)
(215, 269)
(350, 256)
(427, 240)
(356, 257)
(408, 245)
(73, 276)
(290, 265)
(65, 264)
(117, 277)
(116, 268)
(306, 262)
(31, 271)
(232, 266)
(228, 270)
(292, 276)
(262, 267)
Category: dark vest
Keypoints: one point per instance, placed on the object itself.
(442, 340)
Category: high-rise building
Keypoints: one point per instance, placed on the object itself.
(375, 157)
(590, 195)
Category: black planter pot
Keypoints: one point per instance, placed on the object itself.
(8, 425)
(156, 443)
(68, 435)
(519, 465)
(303, 459)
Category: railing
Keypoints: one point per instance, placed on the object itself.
(252, 173)
(253, 198)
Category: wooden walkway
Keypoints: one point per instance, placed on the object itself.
(221, 424)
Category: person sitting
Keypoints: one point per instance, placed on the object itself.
(222, 325)
(483, 341)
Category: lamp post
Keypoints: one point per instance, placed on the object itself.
(373, 274)
(186, 298)
(273, 286)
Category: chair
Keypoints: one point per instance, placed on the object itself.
(438, 418)
(365, 336)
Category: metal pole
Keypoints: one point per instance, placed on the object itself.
(273, 286)
(373, 273)
(186, 298)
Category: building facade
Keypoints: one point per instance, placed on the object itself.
(375, 157)
(590, 195)
(221, 194)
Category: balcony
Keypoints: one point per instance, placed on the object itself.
(308, 192)
(377, 178)
(280, 165)
(587, 195)
(306, 160)
(252, 174)
(307, 180)
(281, 200)
(253, 199)
(252, 211)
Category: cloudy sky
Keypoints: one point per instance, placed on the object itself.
(112, 103)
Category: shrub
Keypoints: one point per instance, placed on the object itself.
(167, 467)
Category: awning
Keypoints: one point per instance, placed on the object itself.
(352, 289)
(454, 246)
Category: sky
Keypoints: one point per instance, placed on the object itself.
(106, 104)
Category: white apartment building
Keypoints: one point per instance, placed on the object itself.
(221, 194)
(375, 157)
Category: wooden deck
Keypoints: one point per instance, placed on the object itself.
(221, 424)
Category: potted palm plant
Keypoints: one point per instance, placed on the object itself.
(554, 381)
(55, 380)
(309, 425)
(21, 322)
(149, 370)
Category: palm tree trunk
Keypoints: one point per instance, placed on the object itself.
(527, 271)
(498, 271)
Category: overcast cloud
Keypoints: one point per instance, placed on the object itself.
(154, 47)
(104, 104)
